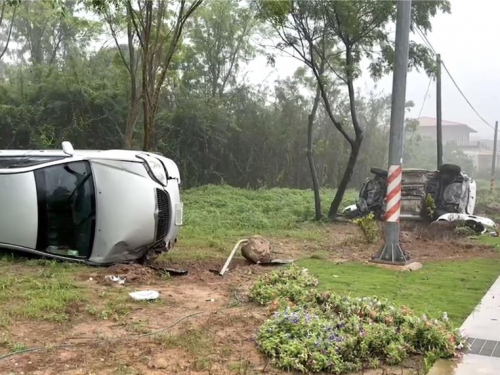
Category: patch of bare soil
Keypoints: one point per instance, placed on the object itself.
(132, 273)
(422, 242)
(202, 325)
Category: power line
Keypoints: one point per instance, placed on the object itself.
(424, 38)
(425, 98)
(429, 44)
(463, 95)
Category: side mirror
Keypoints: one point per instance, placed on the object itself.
(68, 148)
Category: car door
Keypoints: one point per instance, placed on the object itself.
(66, 209)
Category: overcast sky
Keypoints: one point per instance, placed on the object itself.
(468, 41)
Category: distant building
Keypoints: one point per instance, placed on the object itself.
(452, 131)
(480, 152)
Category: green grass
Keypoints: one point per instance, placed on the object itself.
(43, 290)
(455, 287)
(488, 241)
(215, 214)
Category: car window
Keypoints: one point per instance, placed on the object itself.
(9, 162)
(66, 209)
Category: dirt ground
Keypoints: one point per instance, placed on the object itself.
(203, 323)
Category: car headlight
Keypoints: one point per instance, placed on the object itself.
(156, 168)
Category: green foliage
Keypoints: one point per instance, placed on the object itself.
(464, 230)
(339, 334)
(291, 284)
(430, 206)
(369, 228)
(488, 202)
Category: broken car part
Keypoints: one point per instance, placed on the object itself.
(477, 223)
(95, 207)
(228, 261)
(144, 295)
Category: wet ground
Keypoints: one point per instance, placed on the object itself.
(483, 329)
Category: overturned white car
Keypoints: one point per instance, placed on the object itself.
(96, 207)
(444, 195)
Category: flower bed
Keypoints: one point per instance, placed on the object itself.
(311, 331)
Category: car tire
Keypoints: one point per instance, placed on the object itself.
(450, 169)
(149, 257)
(379, 172)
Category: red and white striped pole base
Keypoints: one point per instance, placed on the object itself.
(393, 205)
(392, 252)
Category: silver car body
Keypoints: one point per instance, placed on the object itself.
(130, 211)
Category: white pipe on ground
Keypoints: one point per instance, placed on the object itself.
(226, 265)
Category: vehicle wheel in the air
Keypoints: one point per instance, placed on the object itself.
(379, 172)
(450, 169)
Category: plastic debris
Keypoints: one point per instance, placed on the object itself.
(144, 295)
(117, 279)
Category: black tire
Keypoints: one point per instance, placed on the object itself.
(450, 169)
(379, 172)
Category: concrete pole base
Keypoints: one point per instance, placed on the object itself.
(392, 254)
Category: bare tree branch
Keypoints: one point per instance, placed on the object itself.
(115, 38)
(10, 28)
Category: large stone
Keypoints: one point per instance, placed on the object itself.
(414, 266)
(257, 250)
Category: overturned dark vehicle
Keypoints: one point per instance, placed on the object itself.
(444, 195)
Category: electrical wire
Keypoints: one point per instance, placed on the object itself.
(424, 38)
(429, 44)
(463, 95)
(425, 97)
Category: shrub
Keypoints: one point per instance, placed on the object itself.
(339, 334)
(369, 228)
(289, 283)
(430, 205)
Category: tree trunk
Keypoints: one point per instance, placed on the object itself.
(355, 145)
(346, 178)
(132, 117)
(310, 156)
(133, 110)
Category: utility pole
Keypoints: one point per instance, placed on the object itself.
(392, 252)
(494, 159)
(439, 119)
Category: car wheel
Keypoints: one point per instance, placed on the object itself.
(450, 169)
(379, 172)
(150, 257)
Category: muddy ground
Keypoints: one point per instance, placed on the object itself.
(202, 324)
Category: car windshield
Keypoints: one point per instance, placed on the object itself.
(66, 209)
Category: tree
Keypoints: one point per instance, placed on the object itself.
(158, 43)
(219, 41)
(50, 30)
(116, 15)
(4, 10)
(158, 26)
(353, 30)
